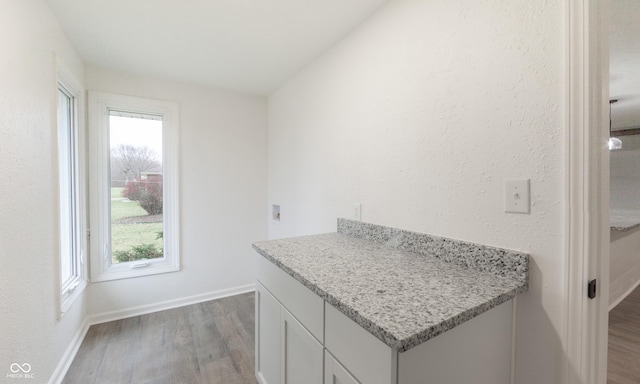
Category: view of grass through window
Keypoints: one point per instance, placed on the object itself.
(136, 186)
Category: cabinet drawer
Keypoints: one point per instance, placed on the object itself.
(303, 304)
(370, 360)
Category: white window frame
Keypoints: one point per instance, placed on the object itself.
(73, 195)
(100, 105)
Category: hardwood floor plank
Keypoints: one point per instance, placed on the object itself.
(235, 364)
(624, 341)
(91, 345)
(210, 342)
(213, 343)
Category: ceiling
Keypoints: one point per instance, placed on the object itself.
(248, 46)
(253, 46)
(624, 63)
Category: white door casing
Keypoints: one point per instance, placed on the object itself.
(587, 191)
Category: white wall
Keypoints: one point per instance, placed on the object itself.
(30, 332)
(420, 114)
(624, 271)
(625, 178)
(223, 184)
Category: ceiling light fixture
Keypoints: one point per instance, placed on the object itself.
(614, 142)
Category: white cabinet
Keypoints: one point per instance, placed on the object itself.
(478, 351)
(335, 373)
(368, 359)
(300, 339)
(267, 337)
(289, 329)
(286, 352)
(303, 304)
(301, 353)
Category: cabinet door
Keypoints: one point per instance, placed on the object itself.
(334, 372)
(267, 337)
(302, 357)
(367, 358)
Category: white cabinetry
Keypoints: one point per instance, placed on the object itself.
(370, 360)
(285, 351)
(289, 329)
(335, 373)
(300, 339)
(301, 353)
(478, 351)
(267, 337)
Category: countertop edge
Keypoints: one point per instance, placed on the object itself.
(379, 332)
(624, 229)
(403, 345)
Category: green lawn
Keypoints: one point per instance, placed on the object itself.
(124, 236)
(125, 208)
(116, 192)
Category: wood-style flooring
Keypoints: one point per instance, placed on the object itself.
(624, 341)
(213, 343)
(210, 343)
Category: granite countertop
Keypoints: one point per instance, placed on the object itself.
(403, 287)
(624, 219)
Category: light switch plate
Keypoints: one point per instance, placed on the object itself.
(516, 196)
(357, 211)
(275, 212)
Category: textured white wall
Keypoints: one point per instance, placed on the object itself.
(29, 329)
(420, 114)
(223, 191)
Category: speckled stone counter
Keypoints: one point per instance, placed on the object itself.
(403, 287)
(624, 219)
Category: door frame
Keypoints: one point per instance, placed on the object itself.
(587, 190)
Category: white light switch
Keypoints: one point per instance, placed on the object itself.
(516, 196)
(357, 211)
(275, 212)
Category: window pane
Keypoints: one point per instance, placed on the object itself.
(65, 163)
(135, 143)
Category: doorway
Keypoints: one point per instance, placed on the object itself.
(624, 89)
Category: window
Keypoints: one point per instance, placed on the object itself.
(134, 186)
(70, 192)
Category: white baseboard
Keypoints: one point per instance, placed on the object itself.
(624, 295)
(70, 353)
(169, 304)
